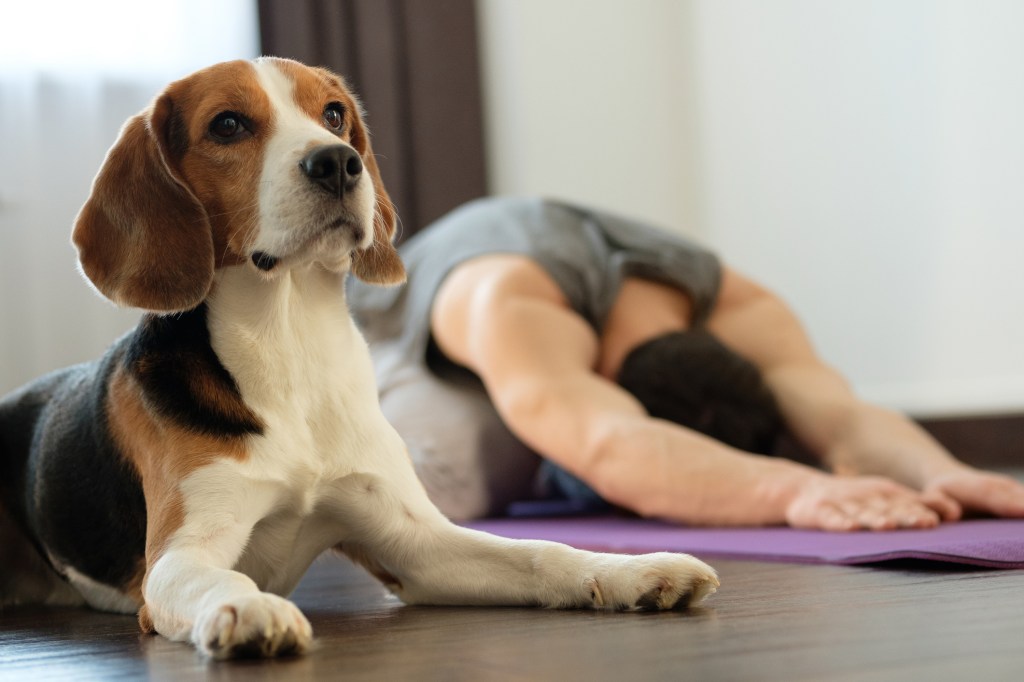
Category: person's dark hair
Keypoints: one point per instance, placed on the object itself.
(694, 380)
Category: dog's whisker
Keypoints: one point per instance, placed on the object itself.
(236, 211)
(246, 228)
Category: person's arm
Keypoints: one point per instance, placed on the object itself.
(852, 437)
(506, 321)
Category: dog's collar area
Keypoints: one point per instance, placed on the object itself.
(263, 261)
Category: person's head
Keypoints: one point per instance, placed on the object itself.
(692, 379)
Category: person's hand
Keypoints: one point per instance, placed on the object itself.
(841, 503)
(980, 491)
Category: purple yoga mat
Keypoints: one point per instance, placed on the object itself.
(995, 543)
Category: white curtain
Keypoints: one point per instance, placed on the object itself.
(70, 74)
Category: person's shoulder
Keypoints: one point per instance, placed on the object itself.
(496, 206)
(491, 220)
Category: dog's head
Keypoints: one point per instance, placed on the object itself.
(263, 164)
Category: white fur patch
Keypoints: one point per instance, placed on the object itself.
(292, 214)
(99, 596)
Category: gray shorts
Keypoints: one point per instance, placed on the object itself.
(469, 462)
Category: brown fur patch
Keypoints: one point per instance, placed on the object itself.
(171, 203)
(142, 238)
(146, 621)
(163, 454)
(224, 177)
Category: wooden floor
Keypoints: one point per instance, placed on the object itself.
(768, 622)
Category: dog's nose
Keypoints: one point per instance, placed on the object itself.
(334, 167)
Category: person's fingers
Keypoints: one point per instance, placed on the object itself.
(888, 511)
(877, 519)
(997, 495)
(822, 515)
(915, 514)
(947, 508)
(877, 505)
(904, 514)
(926, 518)
(866, 509)
(833, 519)
(869, 513)
(984, 492)
(1009, 501)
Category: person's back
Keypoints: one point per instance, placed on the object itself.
(508, 337)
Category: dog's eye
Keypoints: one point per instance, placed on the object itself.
(226, 126)
(334, 115)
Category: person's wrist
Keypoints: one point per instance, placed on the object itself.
(934, 474)
(788, 482)
(840, 453)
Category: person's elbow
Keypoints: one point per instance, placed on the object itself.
(615, 460)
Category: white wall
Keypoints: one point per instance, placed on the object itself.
(865, 158)
(588, 100)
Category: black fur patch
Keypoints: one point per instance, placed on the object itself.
(183, 379)
(78, 498)
(176, 134)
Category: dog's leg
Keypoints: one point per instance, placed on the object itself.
(221, 611)
(425, 559)
(191, 593)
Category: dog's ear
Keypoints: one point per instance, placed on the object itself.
(379, 264)
(143, 238)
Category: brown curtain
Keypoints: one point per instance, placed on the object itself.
(414, 64)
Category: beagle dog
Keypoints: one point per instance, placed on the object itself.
(194, 472)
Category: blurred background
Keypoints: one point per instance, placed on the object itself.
(864, 158)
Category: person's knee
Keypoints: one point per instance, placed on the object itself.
(454, 483)
(468, 461)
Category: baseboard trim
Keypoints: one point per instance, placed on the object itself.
(988, 441)
(981, 440)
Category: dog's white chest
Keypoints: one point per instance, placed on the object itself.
(300, 365)
(304, 370)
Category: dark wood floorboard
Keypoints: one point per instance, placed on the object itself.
(768, 622)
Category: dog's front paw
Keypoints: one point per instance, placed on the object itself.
(261, 625)
(650, 582)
